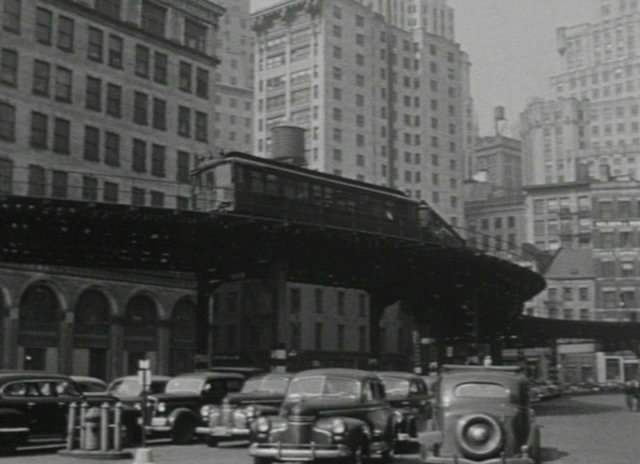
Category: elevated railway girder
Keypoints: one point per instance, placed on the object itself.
(440, 281)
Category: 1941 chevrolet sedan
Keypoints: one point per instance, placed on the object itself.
(327, 414)
(481, 415)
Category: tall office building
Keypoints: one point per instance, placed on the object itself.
(102, 101)
(602, 64)
(234, 76)
(380, 103)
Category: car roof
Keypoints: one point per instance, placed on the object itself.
(287, 375)
(84, 378)
(338, 372)
(154, 378)
(399, 375)
(31, 375)
(212, 375)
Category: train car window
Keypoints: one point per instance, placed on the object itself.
(316, 193)
(302, 190)
(328, 196)
(272, 184)
(257, 182)
(289, 188)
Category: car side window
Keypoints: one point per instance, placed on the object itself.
(378, 391)
(234, 385)
(66, 389)
(214, 387)
(17, 389)
(367, 392)
(413, 388)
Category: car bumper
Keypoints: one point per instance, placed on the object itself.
(160, 424)
(223, 432)
(402, 437)
(462, 460)
(290, 452)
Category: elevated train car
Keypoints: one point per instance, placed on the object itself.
(260, 187)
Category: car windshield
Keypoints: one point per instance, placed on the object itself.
(185, 385)
(126, 387)
(395, 387)
(323, 387)
(267, 384)
(482, 390)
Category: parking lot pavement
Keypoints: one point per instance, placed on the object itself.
(575, 430)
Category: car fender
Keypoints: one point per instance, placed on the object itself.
(179, 413)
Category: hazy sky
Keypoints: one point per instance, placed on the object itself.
(511, 44)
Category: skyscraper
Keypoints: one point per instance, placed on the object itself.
(381, 103)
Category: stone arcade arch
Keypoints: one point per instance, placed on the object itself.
(39, 328)
(92, 334)
(140, 331)
(183, 336)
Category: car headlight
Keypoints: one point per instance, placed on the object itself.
(138, 406)
(251, 412)
(204, 410)
(338, 427)
(162, 407)
(263, 425)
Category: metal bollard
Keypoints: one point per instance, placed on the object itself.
(104, 427)
(83, 413)
(71, 425)
(117, 427)
(91, 432)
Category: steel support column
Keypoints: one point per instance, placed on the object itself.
(377, 305)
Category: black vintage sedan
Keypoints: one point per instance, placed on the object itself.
(482, 415)
(176, 412)
(328, 414)
(409, 396)
(261, 395)
(35, 405)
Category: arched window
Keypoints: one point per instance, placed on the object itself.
(39, 309)
(141, 317)
(92, 310)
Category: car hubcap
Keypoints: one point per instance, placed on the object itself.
(479, 435)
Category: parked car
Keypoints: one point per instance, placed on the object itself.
(244, 370)
(327, 414)
(176, 412)
(409, 396)
(129, 388)
(261, 395)
(36, 405)
(89, 384)
(482, 414)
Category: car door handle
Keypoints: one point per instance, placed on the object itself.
(31, 404)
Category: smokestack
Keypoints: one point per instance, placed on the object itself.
(288, 144)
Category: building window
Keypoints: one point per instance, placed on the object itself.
(94, 50)
(157, 160)
(61, 136)
(65, 33)
(185, 76)
(110, 192)
(115, 51)
(340, 337)
(153, 18)
(43, 26)
(89, 188)
(340, 302)
(142, 61)
(39, 127)
(201, 127)
(9, 67)
(202, 83)
(139, 156)
(41, 75)
(159, 114)
(140, 108)
(59, 184)
(63, 84)
(94, 93)
(11, 16)
(318, 336)
(160, 64)
(37, 181)
(138, 196)
(114, 100)
(295, 300)
(184, 121)
(109, 8)
(157, 199)
(195, 35)
(91, 143)
(182, 173)
(112, 149)
(7, 122)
